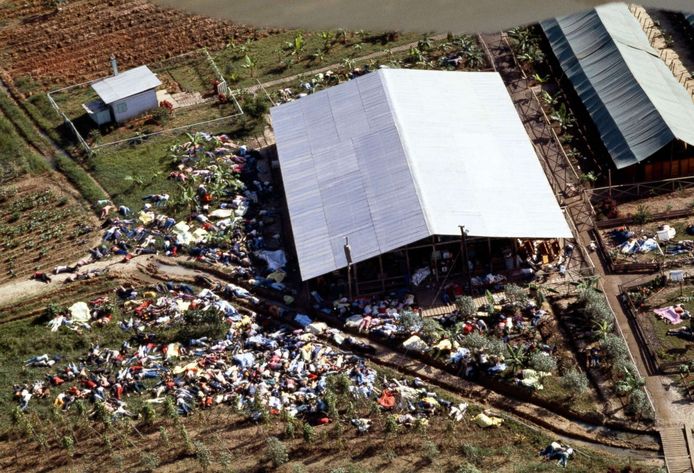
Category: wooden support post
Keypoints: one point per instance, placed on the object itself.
(489, 254)
(466, 260)
(609, 181)
(356, 279)
(436, 260)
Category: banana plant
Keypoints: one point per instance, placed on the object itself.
(602, 329)
(328, 38)
(250, 64)
(515, 358)
(629, 383)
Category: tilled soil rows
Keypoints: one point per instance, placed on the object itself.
(74, 44)
(41, 227)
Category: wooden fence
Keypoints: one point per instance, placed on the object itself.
(619, 266)
(627, 192)
(653, 364)
(672, 214)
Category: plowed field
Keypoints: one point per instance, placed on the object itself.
(41, 227)
(74, 44)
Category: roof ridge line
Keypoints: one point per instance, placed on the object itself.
(399, 127)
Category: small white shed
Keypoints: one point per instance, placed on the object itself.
(124, 96)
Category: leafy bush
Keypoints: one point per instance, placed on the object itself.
(543, 362)
(575, 382)
(276, 452)
(589, 295)
(430, 451)
(431, 331)
(468, 468)
(495, 346)
(256, 106)
(203, 456)
(202, 323)
(515, 295)
(148, 414)
(309, 433)
(411, 321)
(639, 406)
(615, 348)
(474, 341)
(599, 311)
(466, 306)
(149, 461)
(641, 215)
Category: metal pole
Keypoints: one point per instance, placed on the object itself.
(466, 261)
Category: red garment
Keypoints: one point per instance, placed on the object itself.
(324, 420)
(467, 329)
(387, 400)
(57, 380)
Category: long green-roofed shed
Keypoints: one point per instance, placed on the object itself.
(636, 103)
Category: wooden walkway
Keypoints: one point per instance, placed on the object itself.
(677, 448)
(444, 309)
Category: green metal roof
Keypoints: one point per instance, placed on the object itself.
(635, 101)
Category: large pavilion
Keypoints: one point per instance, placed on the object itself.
(402, 159)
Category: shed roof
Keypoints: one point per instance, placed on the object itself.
(396, 156)
(125, 84)
(636, 103)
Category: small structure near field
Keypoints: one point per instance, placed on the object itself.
(124, 95)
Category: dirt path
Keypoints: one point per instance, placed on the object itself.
(668, 405)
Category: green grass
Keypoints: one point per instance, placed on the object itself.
(16, 158)
(12, 112)
(80, 179)
(669, 348)
(22, 339)
(274, 60)
(511, 447)
(147, 161)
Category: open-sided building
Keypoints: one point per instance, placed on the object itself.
(400, 160)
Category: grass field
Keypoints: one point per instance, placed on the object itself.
(23, 320)
(669, 348)
(297, 52)
(16, 158)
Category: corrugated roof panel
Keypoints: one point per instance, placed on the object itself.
(126, 84)
(441, 149)
(634, 100)
(471, 157)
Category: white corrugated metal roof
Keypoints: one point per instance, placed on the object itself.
(399, 155)
(125, 84)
